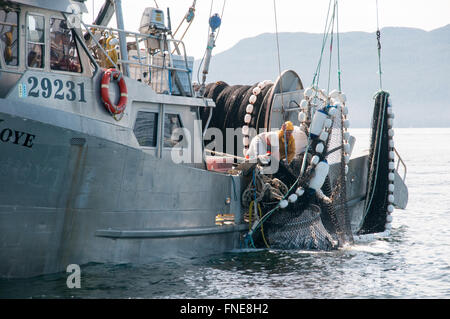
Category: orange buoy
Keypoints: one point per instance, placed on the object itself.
(111, 107)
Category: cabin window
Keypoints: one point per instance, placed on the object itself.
(35, 41)
(8, 36)
(172, 130)
(146, 128)
(63, 49)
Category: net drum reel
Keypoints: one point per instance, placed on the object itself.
(252, 109)
(284, 97)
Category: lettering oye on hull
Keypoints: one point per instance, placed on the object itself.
(10, 135)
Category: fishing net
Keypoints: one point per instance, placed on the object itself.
(375, 207)
(230, 110)
(231, 103)
(317, 220)
(298, 226)
(336, 214)
(299, 230)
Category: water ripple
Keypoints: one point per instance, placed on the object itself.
(412, 263)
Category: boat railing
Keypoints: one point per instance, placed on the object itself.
(400, 161)
(161, 69)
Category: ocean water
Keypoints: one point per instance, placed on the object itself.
(414, 262)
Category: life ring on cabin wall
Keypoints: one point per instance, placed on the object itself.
(111, 107)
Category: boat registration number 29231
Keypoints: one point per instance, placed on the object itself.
(56, 89)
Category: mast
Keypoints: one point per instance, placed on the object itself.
(214, 23)
(122, 37)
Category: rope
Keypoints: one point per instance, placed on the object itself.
(250, 212)
(221, 18)
(234, 188)
(328, 25)
(379, 48)
(331, 49)
(254, 185)
(207, 39)
(257, 207)
(331, 20)
(267, 215)
(325, 37)
(279, 59)
(380, 135)
(338, 47)
(262, 228)
(217, 35)
(225, 154)
(185, 18)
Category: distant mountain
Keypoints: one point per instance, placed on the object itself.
(415, 66)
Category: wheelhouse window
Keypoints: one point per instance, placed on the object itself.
(35, 41)
(146, 128)
(9, 36)
(172, 130)
(63, 49)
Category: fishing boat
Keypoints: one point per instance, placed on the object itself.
(93, 167)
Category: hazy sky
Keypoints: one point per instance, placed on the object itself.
(248, 18)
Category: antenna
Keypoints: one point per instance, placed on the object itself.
(169, 24)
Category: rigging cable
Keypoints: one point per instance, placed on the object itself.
(189, 18)
(204, 54)
(281, 80)
(279, 60)
(221, 18)
(328, 24)
(324, 40)
(379, 48)
(218, 32)
(379, 138)
(338, 47)
(331, 48)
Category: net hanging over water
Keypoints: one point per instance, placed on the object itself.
(381, 156)
(318, 219)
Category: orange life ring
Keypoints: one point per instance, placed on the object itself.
(111, 107)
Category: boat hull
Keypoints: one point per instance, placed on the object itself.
(68, 197)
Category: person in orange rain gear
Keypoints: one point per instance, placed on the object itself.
(287, 141)
(271, 145)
